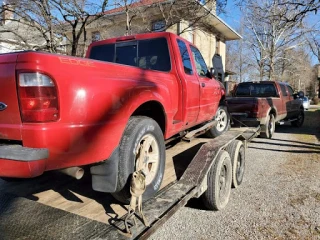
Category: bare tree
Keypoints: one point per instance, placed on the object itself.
(270, 34)
(172, 12)
(51, 19)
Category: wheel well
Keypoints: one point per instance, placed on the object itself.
(273, 112)
(153, 110)
(222, 100)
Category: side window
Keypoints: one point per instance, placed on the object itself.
(185, 57)
(290, 90)
(154, 54)
(283, 90)
(201, 66)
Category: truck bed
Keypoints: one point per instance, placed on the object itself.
(35, 208)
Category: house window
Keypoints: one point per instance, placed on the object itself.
(159, 26)
(95, 36)
(217, 46)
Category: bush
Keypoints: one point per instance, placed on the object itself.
(315, 100)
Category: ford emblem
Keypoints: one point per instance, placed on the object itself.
(3, 106)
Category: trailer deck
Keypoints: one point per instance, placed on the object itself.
(64, 208)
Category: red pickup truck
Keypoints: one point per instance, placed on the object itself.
(265, 103)
(112, 111)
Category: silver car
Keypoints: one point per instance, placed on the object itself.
(306, 103)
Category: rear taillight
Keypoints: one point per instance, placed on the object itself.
(38, 98)
(255, 109)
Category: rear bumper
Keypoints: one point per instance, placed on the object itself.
(22, 162)
(242, 118)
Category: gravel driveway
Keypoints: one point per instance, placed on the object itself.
(279, 198)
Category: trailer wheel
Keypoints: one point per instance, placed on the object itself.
(300, 119)
(223, 122)
(141, 147)
(216, 197)
(268, 129)
(236, 151)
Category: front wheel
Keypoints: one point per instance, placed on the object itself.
(141, 148)
(223, 122)
(300, 119)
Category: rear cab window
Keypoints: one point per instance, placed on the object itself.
(256, 90)
(150, 54)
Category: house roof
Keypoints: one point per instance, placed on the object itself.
(134, 5)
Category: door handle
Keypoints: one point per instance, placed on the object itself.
(203, 84)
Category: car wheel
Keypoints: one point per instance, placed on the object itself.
(223, 122)
(236, 151)
(268, 129)
(217, 195)
(300, 119)
(141, 148)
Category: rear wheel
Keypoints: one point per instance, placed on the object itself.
(300, 120)
(141, 148)
(216, 197)
(268, 129)
(236, 151)
(223, 122)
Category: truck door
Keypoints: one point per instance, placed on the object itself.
(209, 88)
(285, 102)
(294, 102)
(190, 86)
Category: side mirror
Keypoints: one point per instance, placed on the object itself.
(300, 94)
(212, 71)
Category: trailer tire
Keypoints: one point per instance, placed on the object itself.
(268, 129)
(236, 151)
(217, 195)
(141, 147)
(223, 122)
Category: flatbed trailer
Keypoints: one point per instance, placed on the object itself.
(196, 168)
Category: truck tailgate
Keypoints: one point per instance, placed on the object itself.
(10, 121)
(241, 104)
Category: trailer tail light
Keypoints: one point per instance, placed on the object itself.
(38, 98)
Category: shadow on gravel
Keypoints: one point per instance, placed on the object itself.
(300, 145)
(311, 125)
(288, 151)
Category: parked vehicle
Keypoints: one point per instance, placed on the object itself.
(112, 111)
(265, 103)
(305, 103)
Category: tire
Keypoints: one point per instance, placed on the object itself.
(300, 119)
(9, 179)
(267, 130)
(217, 195)
(141, 133)
(236, 151)
(223, 118)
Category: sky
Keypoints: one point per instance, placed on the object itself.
(232, 17)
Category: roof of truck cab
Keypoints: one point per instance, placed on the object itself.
(133, 37)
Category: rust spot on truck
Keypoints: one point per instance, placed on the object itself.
(78, 62)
